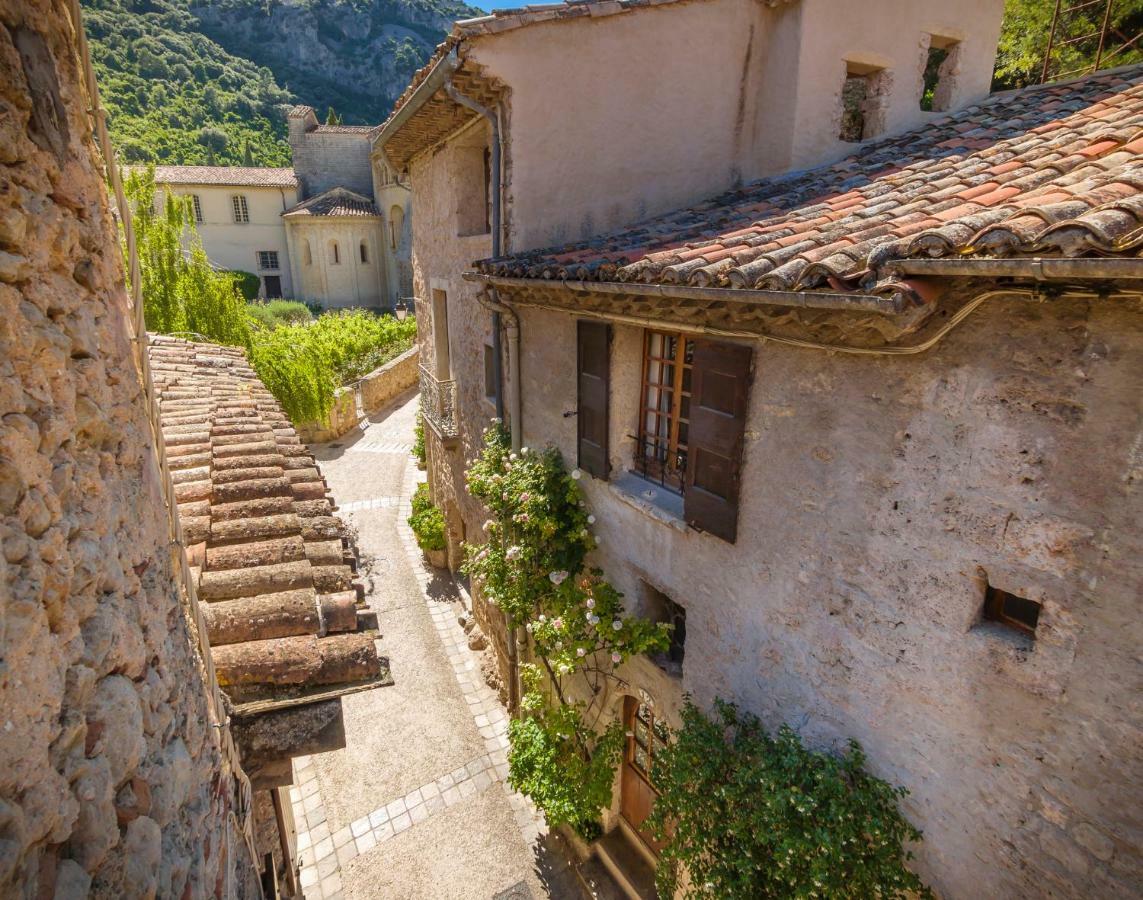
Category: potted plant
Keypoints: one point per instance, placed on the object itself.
(428, 524)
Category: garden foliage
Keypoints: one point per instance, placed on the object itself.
(427, 521)
(533, 567)
(754, 816)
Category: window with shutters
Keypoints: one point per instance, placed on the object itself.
(664, 408)
(241, 210)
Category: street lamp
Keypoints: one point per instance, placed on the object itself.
(402, 310)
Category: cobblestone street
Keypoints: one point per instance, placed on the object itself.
(416, 805)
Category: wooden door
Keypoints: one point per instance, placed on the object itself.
(645, 736)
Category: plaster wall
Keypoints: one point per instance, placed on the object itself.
(111, 783)
(893, 35)
(395, 202)
(349, 282)
(230, 245)
(877, 497)
(603, 133)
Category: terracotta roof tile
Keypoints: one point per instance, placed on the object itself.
(273, 573)
(333, 203)
(238, 176)
(1036, 171)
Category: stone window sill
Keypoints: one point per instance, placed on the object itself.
(650, 499)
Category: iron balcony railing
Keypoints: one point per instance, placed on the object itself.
(438, 403)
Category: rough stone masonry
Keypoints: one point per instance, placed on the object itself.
(111, 781)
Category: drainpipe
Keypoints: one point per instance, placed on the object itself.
(515, 637)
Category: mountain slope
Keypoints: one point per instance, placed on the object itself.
(354, 55)
(209, 83)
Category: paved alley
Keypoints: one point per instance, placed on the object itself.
(416, 805)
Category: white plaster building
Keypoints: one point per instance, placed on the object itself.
(312, 232)
(238, 213)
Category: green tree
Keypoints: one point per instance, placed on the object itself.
(182, 292)
(332, 117)
(1027, 26)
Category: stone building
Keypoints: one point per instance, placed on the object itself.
(853, 385)
(114, 781)
(333, 229)
(126, 771)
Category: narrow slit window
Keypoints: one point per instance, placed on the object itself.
(335, 253)
(364, 253)
(862, 99)
(197, 204)
(938, 79)
(1018, 613)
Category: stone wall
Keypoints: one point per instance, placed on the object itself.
(111, 781)
(325, 158)
(375, 389)
(878, 496)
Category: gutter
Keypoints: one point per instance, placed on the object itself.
(1036, 269)
(804, 299)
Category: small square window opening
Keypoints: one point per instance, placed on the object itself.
(661, 608)
(1018, 613)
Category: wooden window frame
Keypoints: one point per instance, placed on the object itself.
(240, 208)
(196, 203)
(267, 256)
(655, 743)
(670, 470)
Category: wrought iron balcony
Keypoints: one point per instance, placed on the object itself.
(438, 404)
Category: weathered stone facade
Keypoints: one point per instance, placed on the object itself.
(879, 497)
(111, 780)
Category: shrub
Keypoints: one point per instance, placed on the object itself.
(750, 816)
(247, 283)
(279, 312)
(427, 521)
(419, 439)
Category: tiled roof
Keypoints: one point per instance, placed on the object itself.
(239, 176)
(274, 574)
(334, 202)
(344, 129)
(1052, 171)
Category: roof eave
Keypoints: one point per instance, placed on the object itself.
(433, 82)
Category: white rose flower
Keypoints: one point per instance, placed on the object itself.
(616, 625)
(591, 520)
(616, 658)
(576, 474)
(557, 578)
(579, 651)
(590, 603)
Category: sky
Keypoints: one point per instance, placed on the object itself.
(489, 5)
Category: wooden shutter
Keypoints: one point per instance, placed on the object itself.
(593, 366)
(719, 383)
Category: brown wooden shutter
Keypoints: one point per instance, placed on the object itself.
(593, 365)
(719, 378)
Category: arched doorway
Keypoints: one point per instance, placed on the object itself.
(646, 737)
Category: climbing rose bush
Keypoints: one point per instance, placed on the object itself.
(533, 567)
(750, 816)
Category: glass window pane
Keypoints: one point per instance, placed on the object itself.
(641, 758)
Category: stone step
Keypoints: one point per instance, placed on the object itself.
(627, 864)
(597, 882)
